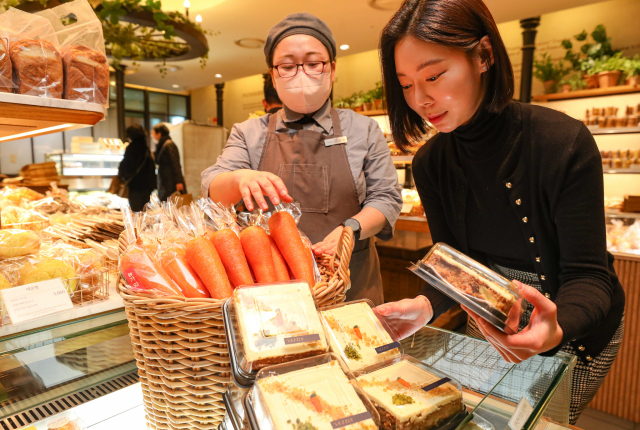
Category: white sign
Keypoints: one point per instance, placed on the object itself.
(520, 416)
(406, 208)
(31, 301)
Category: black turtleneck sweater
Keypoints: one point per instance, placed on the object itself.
(481, 147)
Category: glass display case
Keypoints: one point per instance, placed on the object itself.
(531, 395)
(86, 164)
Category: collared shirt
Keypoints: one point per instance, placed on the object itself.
(367, 151)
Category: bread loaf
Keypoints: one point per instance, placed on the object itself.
(87, 74)
(6, 84)
(37, 68)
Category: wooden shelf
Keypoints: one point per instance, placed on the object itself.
(27, 116)
(596, 92)
(375, 112)
(402, 159)
(614, 130)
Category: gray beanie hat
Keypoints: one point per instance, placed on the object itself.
(299, 23)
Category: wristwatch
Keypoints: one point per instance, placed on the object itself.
(355, 226)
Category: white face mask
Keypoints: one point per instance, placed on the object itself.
(303, 93)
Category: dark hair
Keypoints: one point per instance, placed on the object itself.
(270, 93)
(136, 133)
(161, 129)
(458, 24)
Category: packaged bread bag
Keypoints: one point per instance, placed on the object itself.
(33, 50)
(79, 32)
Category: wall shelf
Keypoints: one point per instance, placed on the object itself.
(596, 92)
(613, 130)
(621, 171)
(375, 112)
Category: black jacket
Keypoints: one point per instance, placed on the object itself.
(169, 169)
(553, 178)
(134, 155)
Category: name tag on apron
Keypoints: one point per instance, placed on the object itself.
(335, 141)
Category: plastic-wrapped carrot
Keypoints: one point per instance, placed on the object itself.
(209, 235)
(175, 265)
(282, 271)
(257, 248)
(143, 272)
(229, 248)
(203, 257)
(298, 257)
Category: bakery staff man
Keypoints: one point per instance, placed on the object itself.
(334, 162)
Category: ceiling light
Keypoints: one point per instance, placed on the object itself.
(186, 3)
(38, 131)
(175, 86)
(198, 18)
(169, 68)
(112, 83)
(344, 47)
(218, 75)
(385, 4)
(250, 43)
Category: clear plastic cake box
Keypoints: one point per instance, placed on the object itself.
(358, 336)
(409, 394)
(317, 393)
(235, 417)
(489, 295)
(268, 324)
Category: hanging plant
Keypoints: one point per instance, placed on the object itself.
(139, 30)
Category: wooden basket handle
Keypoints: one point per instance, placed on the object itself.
(343, 252)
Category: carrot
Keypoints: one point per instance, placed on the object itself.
(203, 257)
(282, 271)
(209, 234)
(257, 248)
(285, 233)
(357, 330)
(315, 400)
(175, 265)
(403, 382)
(229, 248)
(142, 271)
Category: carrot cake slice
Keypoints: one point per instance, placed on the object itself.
(358, 335)
(408, 397)
(314, 398)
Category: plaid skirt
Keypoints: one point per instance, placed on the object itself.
(586, 378)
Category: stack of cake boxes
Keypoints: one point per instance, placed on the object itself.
(297, 367)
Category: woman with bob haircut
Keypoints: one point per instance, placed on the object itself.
(516, 187)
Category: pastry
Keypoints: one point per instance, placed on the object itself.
(48, 268)
(277, 323)
(470, 282)
(311, 399)
(398, 393)
(16, 243)
(6, 83)
(355, 333)
(37, 68)
(64, 423)
(87, 74)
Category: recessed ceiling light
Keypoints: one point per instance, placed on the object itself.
(175, 86)
(218, 75)
(112, 83)
(186, 3)
(385, 4)
(344, 47)
(170, 68)
(250, 43)
(198, 18)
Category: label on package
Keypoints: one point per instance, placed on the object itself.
(302, 339)
(32, 301)
(521, 414)
(335, 141)
(387, 347)
(436, 384)
(343, 422)
(132, 279)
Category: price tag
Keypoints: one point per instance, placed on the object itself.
(406, 208)
(521, 414)
(31, 301)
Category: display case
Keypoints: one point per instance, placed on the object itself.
(532, 395)
(86, 172)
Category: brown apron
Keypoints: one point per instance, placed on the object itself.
(319, 178)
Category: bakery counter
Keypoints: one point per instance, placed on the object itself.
(530, 395)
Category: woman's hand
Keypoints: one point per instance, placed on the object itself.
(541, 334)
(257, 184)
(329, 243)
(406, 316)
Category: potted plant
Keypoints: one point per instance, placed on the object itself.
(549, 72)
(608, 69)
(357, 102)
(378, 95)
(367, 101)
(589, 52)
(631, 69)
(590, 79)
(577, 83)
(341, 103)
(565, 85)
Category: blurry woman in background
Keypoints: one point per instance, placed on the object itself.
(170, 177)
(137, 168)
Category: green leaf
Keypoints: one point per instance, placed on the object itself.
(582, 36)
(585, 48)
(599, 34)
(594, 50)
(160, 16)
(566, 44)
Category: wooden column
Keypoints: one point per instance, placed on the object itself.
(619, 395)
(120, 102)
(219, 106)
(529, 32)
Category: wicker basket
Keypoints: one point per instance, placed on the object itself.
(181, 349)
